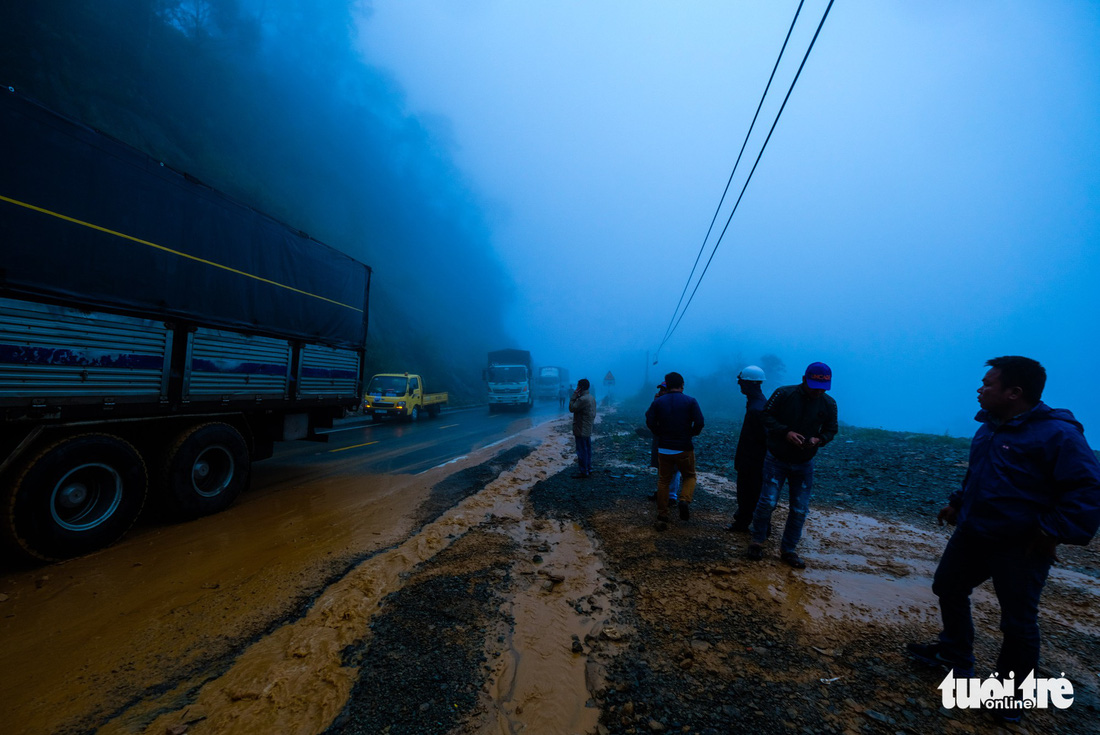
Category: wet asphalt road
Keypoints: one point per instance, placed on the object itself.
(390, 446)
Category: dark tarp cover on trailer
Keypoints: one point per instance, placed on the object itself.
(88, 220)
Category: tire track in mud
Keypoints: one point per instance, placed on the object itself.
(299, 678)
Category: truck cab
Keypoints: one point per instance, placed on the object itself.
(401, 395)
(509, 377)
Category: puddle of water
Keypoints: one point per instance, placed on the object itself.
(539, 684)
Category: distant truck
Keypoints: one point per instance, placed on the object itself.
(402, 395)
(510, 380)
(550, 381)
(156, 336)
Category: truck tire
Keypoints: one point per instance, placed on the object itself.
(433, 410)
(414, 413)
(206, 468)
(493, 408)
(79, 494)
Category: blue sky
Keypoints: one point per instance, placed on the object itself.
(930, 197)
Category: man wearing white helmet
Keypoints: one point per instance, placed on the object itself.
(752, 445)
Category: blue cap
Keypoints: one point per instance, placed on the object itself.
(819, 375)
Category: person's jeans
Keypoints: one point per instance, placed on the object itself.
(1018, 578)
(667, 467)
(584, 454)
(800, 479)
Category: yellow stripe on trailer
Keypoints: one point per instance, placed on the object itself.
(173, 252)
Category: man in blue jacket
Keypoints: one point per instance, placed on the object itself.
(674, 419)
(1032, 483)
(800, 419)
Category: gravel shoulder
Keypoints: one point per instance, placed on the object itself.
(678, 632)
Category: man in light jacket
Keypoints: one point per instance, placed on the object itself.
(583, 407)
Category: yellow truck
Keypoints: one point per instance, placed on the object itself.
(402, 395)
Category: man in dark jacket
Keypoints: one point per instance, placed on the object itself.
(582, 405)
(1032, 483)
(674, 419)
(752, 445)
(800, 419)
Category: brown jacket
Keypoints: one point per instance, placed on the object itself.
(583, 407)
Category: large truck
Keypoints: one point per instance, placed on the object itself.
(156, 336)
(510, 380)
(551, 380)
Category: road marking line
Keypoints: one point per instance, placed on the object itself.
(448, 426)
(449, 461)
(353, 446)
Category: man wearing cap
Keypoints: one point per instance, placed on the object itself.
(674, 419)
(800, 419)
(752, 445)
(1032, 483)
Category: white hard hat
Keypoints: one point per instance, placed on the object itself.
(751, 373)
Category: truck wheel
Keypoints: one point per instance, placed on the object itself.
(414, 414)
(205, 470)
(77, 495)
(433, 411)
(493, 408)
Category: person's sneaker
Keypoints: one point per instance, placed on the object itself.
(662, 523)
(685, 511)
(739, 527)
(932, 655)
(756, 552)
(792, 559)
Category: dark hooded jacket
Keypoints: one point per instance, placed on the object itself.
(791, 409)
(1032, 473)
(752, 443)
(674, 419)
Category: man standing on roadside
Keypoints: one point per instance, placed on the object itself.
(800, 419)
(674, 419)
(752, 446)
(1032, 483)
(583, 407)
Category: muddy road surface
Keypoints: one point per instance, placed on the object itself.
(497, 594)
(95, 639)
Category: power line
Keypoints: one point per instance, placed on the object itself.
(749, 178)
(717, 209)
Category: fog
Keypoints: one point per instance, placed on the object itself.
(930, 197)
(542, 175)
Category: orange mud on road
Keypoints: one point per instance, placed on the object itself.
(131, 629)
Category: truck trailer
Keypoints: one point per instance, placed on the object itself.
(156, 336)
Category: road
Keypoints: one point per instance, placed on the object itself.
(412, 447)
(84, 640)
